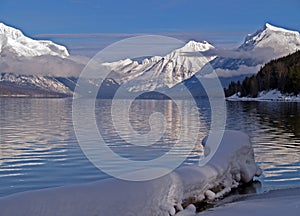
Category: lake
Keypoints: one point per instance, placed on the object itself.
(39, 149)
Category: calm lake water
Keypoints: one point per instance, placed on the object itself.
(38, 147)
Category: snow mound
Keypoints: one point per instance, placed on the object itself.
(174, 194)
(13, 41)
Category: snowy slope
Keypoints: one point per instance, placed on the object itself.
(162, 72)
(13, 41)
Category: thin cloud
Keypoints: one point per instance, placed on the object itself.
(86, 35)
(89, 44)
(171, 34)
(242, 70)
(43, 65)
(258, 55)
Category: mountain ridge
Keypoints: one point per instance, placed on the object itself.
(157, 72)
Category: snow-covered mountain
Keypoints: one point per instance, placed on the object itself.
(21, 57)
(282, 41)
(14, 42)
(258, 48)
(53, 65)
(161, 72)
(164, 72)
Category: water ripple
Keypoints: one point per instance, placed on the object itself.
(38, 147)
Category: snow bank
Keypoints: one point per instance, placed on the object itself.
(232, 164)
(273, 95)
(173, 194)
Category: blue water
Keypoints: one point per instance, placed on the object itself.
(39, 149)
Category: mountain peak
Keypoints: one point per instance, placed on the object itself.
(270, 27)
(194, 46)
(194, 43)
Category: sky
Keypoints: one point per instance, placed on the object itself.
(223, 22)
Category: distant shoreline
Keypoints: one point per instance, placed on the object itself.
(267, 96)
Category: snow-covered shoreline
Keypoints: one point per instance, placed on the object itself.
(273, 95)
(232, 165)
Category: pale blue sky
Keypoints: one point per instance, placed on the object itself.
(154, 16)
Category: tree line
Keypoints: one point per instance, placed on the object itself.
(282, 74)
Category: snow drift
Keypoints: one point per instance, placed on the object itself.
(174, 194)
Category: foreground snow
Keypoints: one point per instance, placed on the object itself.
(273, 95)
(233, 164)
(281, 202)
